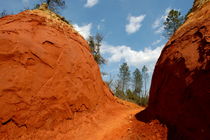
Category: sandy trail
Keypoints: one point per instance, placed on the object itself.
(122, 125)
(115, 126)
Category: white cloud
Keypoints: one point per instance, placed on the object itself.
(91, 3)
(134, 23)
(158, 23)
(85, 30)
(135, 58)
(156, 42)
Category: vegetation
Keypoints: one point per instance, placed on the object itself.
(53, 5)
(95, 44)
(173, 21)
(44, 6)
(130, 89)
(124, 77)
(137, 81)
(3, 13)
(145, 77)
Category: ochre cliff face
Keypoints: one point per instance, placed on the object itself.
(180, 89)
(49, 79)
(199, 3)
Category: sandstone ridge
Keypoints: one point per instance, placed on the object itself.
(180, 89)
(49, 81)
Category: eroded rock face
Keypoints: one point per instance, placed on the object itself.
(199, 3)
(180, 89)
(48, 77)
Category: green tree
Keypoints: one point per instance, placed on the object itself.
(131, 96)
(145, 76)
(36, 6)
(137, 81)
(3, 13)
(173, 21)
(95, 44)
(54, 5)
(120, 94)
(124, 76)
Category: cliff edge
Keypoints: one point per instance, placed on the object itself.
(180, 89)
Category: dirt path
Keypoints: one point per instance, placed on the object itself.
(115, 126)
(124, 126)
(115, 122)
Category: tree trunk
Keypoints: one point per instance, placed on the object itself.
(48, 2)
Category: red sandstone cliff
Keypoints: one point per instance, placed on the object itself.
(180, 89)
(49, 80)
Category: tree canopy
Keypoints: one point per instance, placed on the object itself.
(95, 44)
(145, 76)
(131, 89)
(124, 76)
(3, 13)
(173, 21)
(137, 81)
(55, 5)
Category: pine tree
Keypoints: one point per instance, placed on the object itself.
(124, 77)
(137, 81)
(173, 21)
(3, 13)
(95, 44)
(145, 76)
(54, 5)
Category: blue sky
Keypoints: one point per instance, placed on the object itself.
(132, 29)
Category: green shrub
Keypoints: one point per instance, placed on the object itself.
(120, 94)
(3, 13)
(132, 97)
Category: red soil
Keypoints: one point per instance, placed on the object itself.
(51, 87)
(180, 90)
